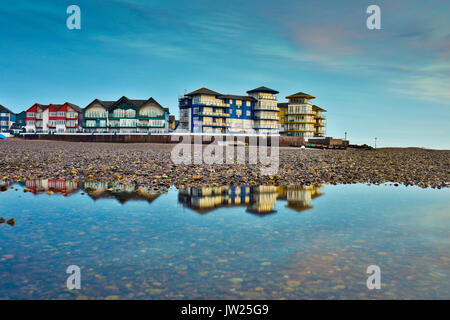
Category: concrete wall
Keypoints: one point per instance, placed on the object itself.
(125, 138)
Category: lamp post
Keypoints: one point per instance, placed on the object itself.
(345, 136)
(376, 142)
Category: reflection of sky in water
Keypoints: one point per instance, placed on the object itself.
(244, 242)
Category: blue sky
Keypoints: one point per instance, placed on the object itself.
(392, 83)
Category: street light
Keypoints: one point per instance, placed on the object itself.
(376, 142)
(345, 136)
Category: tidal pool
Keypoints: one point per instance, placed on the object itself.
(244, 242)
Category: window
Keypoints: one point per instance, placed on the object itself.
(249, 113)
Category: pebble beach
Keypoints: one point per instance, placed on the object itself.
(150, 165)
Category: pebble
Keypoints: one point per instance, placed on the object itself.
(150, 165)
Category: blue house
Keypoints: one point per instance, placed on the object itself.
(208, 111)
(7, 118)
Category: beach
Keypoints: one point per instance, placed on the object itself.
(150, 165)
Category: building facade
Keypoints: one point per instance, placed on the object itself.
(21, 119)
(208, 111)
(126, 116)
(299, 117)
(7, 118)
(320, 122)
(54, 118)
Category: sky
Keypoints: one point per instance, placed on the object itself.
(392, 83)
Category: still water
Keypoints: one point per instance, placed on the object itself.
(245, 242)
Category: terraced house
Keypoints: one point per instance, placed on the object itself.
(299, 117)
(7, 118)
(126, 116)
(54, 118)
(208, 111)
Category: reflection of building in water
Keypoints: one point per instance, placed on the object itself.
(121, 192)
(298, 197)
(259, 200)
(4, 185)
(64, 187)
(264, 200)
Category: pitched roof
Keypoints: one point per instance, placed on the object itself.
(231, 96)
(74, 106)
(133, 102)
(204, 91)
(300, 95)
(264, 90)
(282, 104)
(3, 109)
(317, 108)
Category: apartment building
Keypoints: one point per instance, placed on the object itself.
(54, 118)
(208, 111)
(299, 117)
(126, 116)
(7, 118)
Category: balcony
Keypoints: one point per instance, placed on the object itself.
(150, 125)
(310, 121)
(210, 104)
(216, 124)
(301, 113)
(151, 116)
(265, 126)
(93, 115)
(266, 108)
(118, 125)
(95, 125)
(275, 118)
(214, 114)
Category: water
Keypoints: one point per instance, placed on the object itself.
(223, 243)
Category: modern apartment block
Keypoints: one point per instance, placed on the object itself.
(7, 118)
(54, 118)
(126, 116)
(208, 111)
(299, 117)
(320, 122)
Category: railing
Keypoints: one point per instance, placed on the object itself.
(145, 125)
(216, 124)
(266, 118)
(266, 108)
(96, 115)
(264, 126)
(95, 125)
(210, 103)
(214, 114)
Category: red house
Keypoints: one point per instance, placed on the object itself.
(54, 118)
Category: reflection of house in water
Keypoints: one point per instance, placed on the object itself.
(298, 197)
(259, 200)
(264, 200)
(4, 185)
(64, 187)
(121, 192)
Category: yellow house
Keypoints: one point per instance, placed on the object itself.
(282, 117)
(320, 122)
(299, 117)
